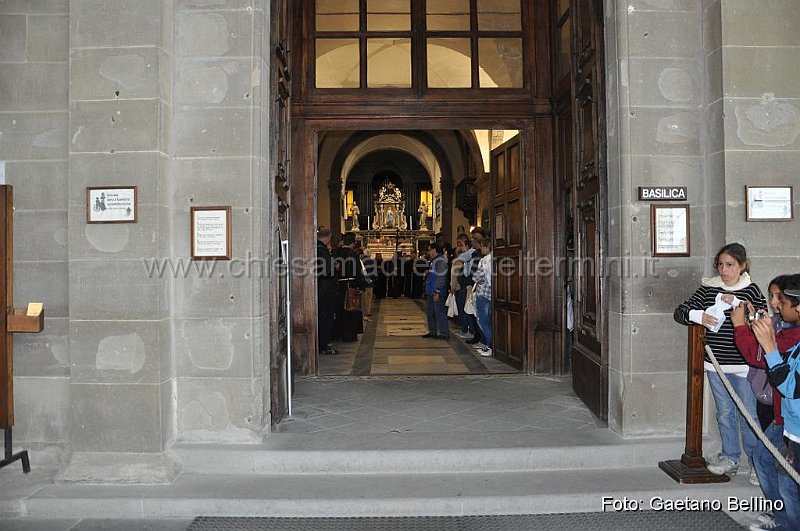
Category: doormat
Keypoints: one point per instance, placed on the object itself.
(633, 521)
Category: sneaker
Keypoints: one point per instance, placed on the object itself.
(478, 346)
(465, 335)
(753, 478)
(485, 352)
(768, 526)
(724, 465)
(765, 518)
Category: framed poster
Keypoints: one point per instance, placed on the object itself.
(211, 233)
(769, 203)
(669, 230)
(112, 204)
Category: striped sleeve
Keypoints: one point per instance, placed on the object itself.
(695, 302)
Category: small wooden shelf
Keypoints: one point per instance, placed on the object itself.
(20, 323)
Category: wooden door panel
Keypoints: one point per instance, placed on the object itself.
(514, 168)
(514, 266)
(499, 173)
(583, 184)
(509, 334)
(517, 340)
(280, 141)
(501, 289)
(514, 212)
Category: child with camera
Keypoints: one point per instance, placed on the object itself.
(785, 323)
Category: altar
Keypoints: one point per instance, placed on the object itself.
(390, 210)
(389, 230)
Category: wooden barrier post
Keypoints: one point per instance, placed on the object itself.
(13, 320)
(691, 467)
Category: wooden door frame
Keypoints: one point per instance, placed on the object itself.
(542, 321)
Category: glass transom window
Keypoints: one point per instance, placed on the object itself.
(452, 44)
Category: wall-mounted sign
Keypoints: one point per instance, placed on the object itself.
(211, 233)
(662, 193)
(669, 230)
(114, 204)
(769, 203)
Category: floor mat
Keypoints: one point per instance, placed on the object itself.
(650, 520)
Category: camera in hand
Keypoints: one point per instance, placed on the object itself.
(752, 316)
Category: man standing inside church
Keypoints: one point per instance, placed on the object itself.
(436, 294)
(327, 291)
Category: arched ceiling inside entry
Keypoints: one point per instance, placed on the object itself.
(396, 142)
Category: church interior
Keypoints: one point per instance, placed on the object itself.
(399, 192)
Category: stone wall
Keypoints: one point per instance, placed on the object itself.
(119, 337)
(34, 85)
(658, 105)
(218, 158)
(165, 95)
(761, 98)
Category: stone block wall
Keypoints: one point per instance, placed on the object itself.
(658, 107)
(761, 98)
(119, 336)
(218, 159)
(34, 85)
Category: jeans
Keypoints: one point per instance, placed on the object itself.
(774, 484)
(728, 417)
(463, 318)
(437, 316)
(483, 306)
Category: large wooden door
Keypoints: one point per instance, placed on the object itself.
(587, 203)
(508, 296)
(279, 146)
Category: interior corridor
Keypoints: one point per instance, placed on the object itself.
(391, 345)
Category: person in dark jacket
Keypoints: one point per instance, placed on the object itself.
(327, 291)
(351, 275)
(397, 278)
(380, 278)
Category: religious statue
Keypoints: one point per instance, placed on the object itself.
(389, 220)
(423, 216)
(354, 212)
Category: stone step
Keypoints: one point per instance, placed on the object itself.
(448, 494)
(427, 453)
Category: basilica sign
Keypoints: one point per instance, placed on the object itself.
(662, 193)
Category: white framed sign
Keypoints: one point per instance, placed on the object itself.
(112, 204)
(669, 230)
(769, 203)
(211, 233)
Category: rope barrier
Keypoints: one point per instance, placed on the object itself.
(753, 424)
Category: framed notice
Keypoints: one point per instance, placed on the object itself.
(769, 203)
(211, 233)
(117, 204)
(499, 227)
(669, 230)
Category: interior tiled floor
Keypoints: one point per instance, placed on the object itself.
(390, 345)
(393, 404)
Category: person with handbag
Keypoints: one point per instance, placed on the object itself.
(351, 281)
(786, 328)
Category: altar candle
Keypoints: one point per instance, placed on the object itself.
(368, 227)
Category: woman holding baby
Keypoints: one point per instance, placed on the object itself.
(711, 306)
